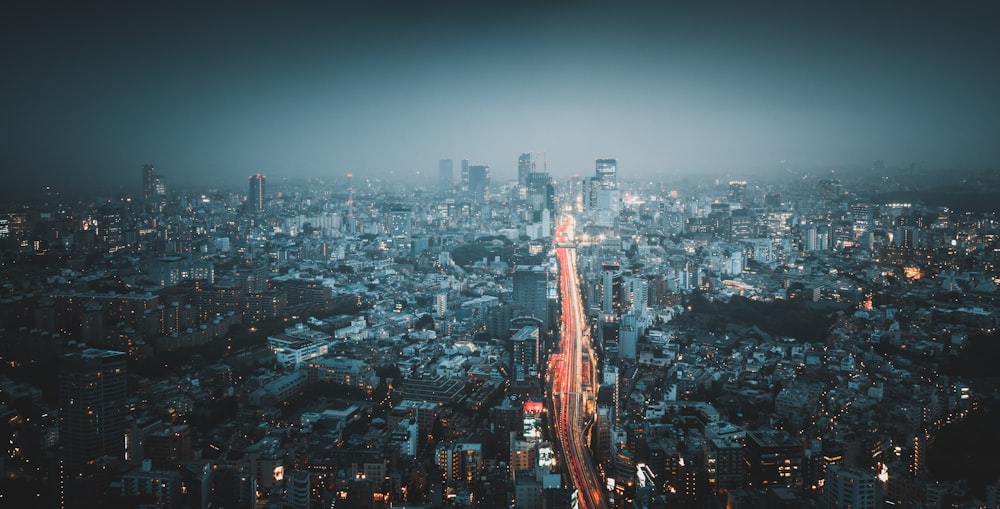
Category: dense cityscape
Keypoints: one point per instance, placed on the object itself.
(568, 254)
(802, 339)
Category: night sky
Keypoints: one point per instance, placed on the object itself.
(211, 92)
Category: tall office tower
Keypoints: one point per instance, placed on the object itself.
(256, 195)
(600, 442)
(524, 166)
(479, 179)
(159, 187)
(446, 171)
(92, 392)
(530, 285)
(811, 241)
(148, 181)
(465, 174)
(525, 356)
(110, 228)
(441, 304)
(628, 336)
(401, 222)
(851, 488)
(737, 191)
(607, 173)
(540, 191)
(907, 236)
(612, 297)
(154, 188)
(863, 216)
(637, 296)
(507, 418)
(609, 391)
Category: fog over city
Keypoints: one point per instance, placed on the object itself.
(213, 92)
(478, 255)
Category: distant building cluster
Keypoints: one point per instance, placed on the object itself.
(354, 343)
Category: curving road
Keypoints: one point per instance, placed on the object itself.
(572, 386)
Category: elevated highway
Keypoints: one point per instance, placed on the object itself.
(572, 403)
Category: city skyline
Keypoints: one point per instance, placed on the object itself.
(210, 95)
(814, 339)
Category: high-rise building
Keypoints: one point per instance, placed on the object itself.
(508, 419)
(148, 181)
(607, 173)
(446, 170)
(851, 488)
(441, 304)
(256, 195)
(540, 191)
(811, 242)
(479, 179)
(154, 187)
(460, 464)
(601, 435)
(628, 336)
(92, 392)
(524, 166)
(465, 174)
(724, 463)
(525, 353)
(863, 216)
(612, 296)
(737, 191)
(298, 494)
(530, 291)
(110, 228)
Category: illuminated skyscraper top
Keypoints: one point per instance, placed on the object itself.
(256, 196)
(607, 173)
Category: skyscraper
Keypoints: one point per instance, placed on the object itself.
(479, 179)
(446, 169)
(465, 174)
(540, 191)
(524, 166)
(154, 188)
(92, 392)
(530, 291)
(148, 181)
(607, 173)
(256, 195)
(525, 353)
(737, 191)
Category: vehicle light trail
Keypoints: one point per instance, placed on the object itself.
(571, 400)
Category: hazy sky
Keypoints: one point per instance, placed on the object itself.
(212, 92)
